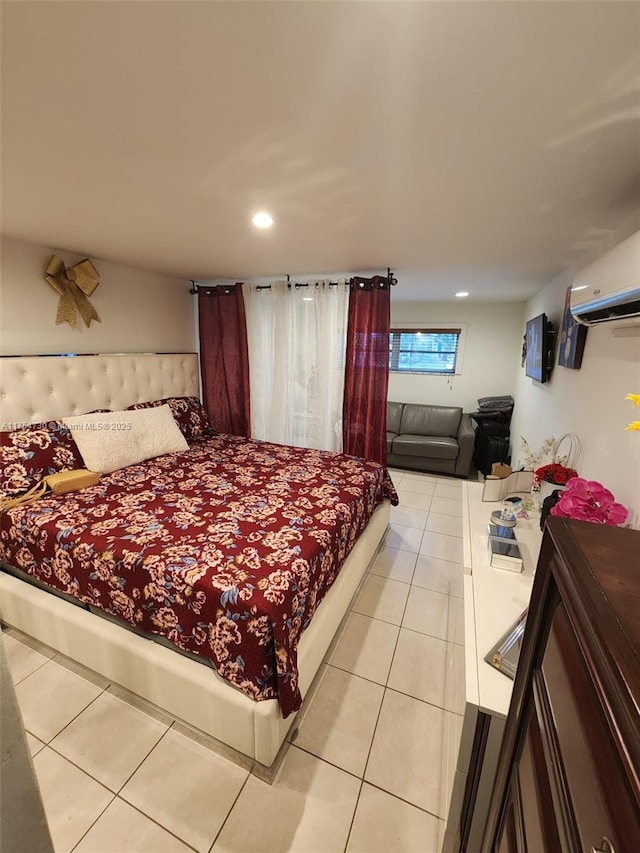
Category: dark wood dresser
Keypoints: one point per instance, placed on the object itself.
(568, 775)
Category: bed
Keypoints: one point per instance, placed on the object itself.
(253, 707)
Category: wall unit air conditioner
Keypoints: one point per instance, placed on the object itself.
(609, 288)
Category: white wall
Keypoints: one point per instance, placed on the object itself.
(140, 311)
(588, 402)
(491, 358)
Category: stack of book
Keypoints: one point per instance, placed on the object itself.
(504, 552)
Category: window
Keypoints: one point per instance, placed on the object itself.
(424, 350)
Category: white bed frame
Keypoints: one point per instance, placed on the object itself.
(39, 388)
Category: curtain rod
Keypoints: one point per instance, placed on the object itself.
(193, 290)
(298, 284)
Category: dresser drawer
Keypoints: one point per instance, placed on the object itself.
(602, 803)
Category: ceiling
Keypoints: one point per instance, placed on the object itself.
(467, 145)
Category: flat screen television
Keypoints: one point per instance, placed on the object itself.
(539, 347)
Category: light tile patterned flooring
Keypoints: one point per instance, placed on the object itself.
(369, 768)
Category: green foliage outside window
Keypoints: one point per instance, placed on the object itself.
(423, 350)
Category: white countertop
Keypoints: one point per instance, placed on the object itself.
(493, 598)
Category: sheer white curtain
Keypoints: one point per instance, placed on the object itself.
(297, 339)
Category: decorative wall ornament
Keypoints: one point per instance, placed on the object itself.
(572, 338)
(74, 285)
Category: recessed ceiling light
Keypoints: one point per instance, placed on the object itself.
(262, 220)
(462, 293)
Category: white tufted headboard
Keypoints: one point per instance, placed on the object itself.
(41, 388)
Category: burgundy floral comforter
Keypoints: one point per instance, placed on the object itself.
(226, 549)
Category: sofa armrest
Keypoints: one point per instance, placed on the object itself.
(466, 440)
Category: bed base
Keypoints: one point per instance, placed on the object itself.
(184, 688)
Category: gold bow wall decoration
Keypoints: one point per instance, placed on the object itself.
(74, 285)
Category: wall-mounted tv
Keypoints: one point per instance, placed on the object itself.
(539, 356)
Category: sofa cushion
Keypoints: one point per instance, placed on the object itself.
(426, 446)
(390, 437)
(424, 420)
(394, 414)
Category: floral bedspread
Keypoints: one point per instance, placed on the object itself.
(226, 549)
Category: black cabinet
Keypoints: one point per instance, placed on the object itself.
(492, 438)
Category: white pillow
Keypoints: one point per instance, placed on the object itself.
(112, 440)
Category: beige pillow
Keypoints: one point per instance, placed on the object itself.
(112, 440)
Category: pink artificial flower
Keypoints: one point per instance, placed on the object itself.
(589, 500)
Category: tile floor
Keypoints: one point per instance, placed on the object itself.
(369, 768)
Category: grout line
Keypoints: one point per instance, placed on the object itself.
(357, 675)
(330, 763)
(66, 726)
(402, 800)
(33, 671)
(148, 817)
(153, 820)
(228, 815)
(424, 701)
(353, 817)
(385, 685)
(90, 827)
(395, 648)
(139, 765)
(363, 781)
(81, 769)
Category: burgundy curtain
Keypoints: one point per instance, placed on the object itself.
(224, 358)
(367, 369)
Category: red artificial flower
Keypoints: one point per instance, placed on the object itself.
(554, 473)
